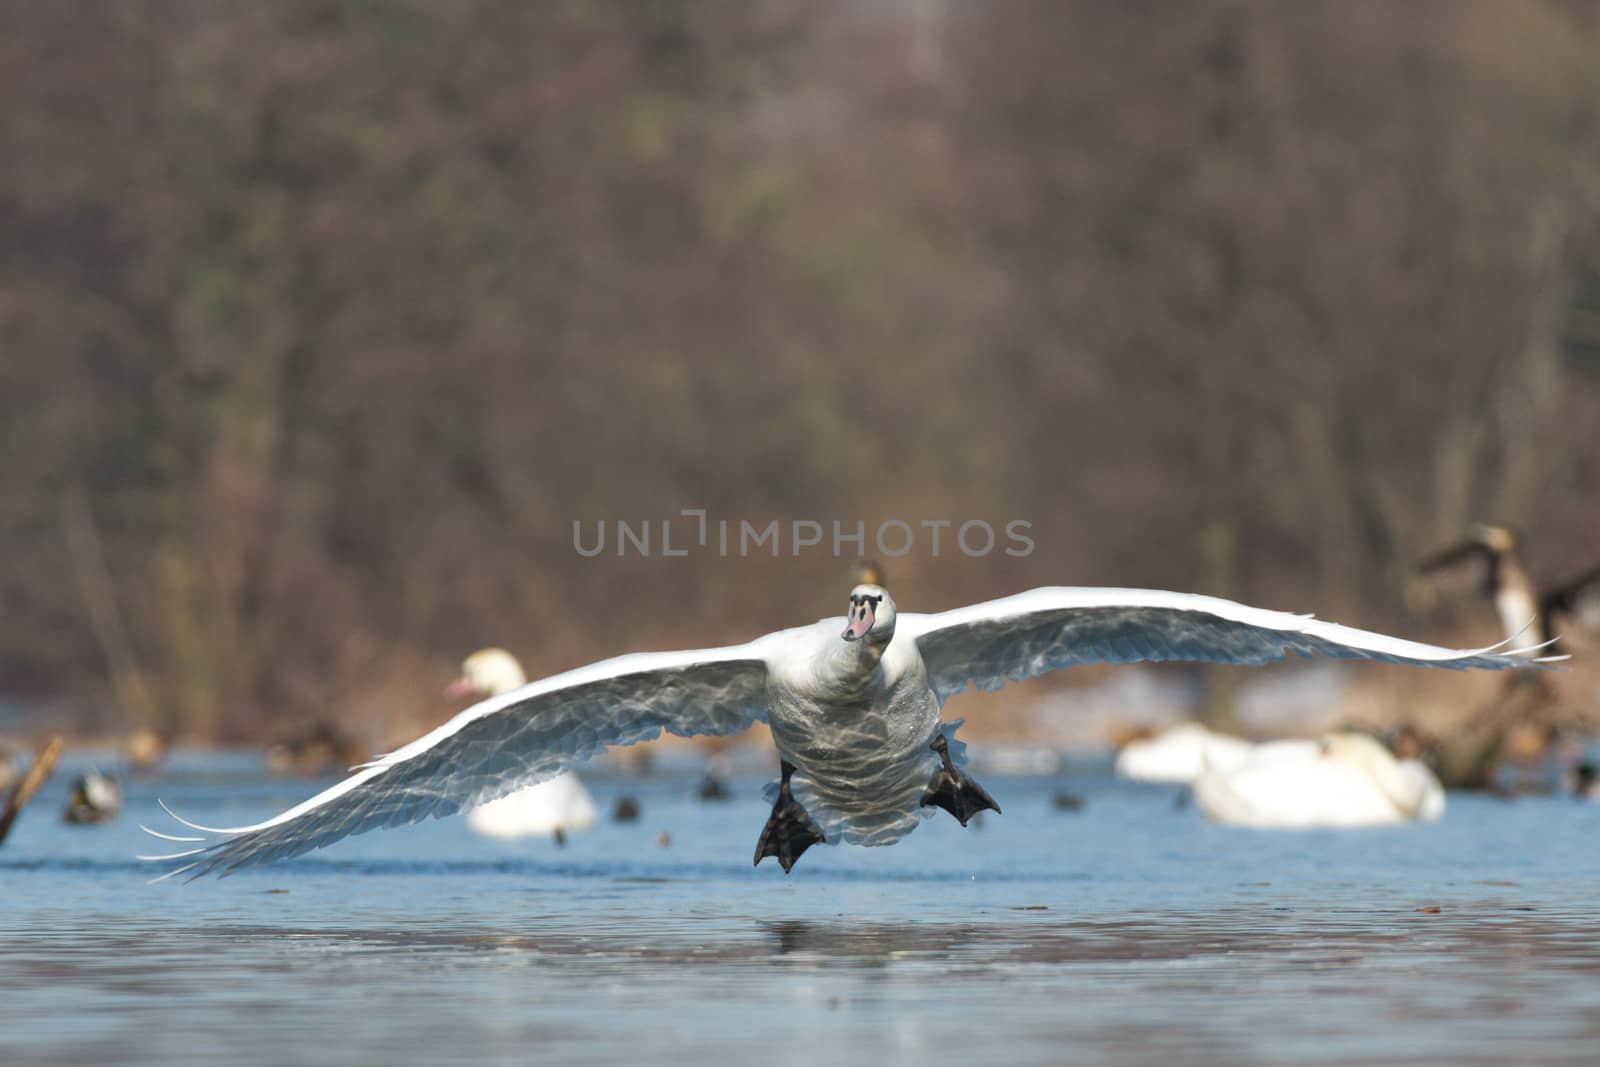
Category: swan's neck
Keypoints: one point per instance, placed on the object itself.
(851, 666)
(1514, 600)
(1405, 793)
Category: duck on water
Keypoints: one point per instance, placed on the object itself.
(855, 714)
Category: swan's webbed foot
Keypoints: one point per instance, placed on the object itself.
(953, 791)
(790, 829)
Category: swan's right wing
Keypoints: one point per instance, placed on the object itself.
(1575, 601)
(507, 742)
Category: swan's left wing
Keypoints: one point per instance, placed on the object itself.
(496, 747)
(1028, 634)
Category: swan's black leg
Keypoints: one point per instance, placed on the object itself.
(953, 791)
(790, 830)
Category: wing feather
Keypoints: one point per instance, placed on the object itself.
(501, 745)
(1043, 630)
(1576, 600)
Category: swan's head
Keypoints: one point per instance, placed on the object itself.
(487, 672)
(870, 615)
(867, 572)
(1362, 751)
(1498, 539)
(1413, 791)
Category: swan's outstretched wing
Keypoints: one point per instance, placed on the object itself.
(1575, 603)
(498, 746)
(1446, 558)
(1028, 634)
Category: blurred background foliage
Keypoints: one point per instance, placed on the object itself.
(321, 321)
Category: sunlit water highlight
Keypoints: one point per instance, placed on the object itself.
(1129, 932)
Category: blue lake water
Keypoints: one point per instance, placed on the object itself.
(1130, 932)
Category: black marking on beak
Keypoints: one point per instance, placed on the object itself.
(860, 606)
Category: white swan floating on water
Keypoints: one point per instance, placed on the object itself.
(855, 716)
(1180, 753)
(553, 806)
(1347, 780)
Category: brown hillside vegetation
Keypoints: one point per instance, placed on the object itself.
(321, 323)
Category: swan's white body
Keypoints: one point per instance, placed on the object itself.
(854, 716)
(859, 733)
(1179, 753)
(559, 804)
(1348, 780)
(562, 803)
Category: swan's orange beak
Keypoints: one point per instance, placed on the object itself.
(461, 687)
(858, 620)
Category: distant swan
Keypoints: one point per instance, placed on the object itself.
(856, 716)
(1348, 780)
(556, 805)
(1179, 753)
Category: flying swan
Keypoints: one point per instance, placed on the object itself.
(862, 747)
